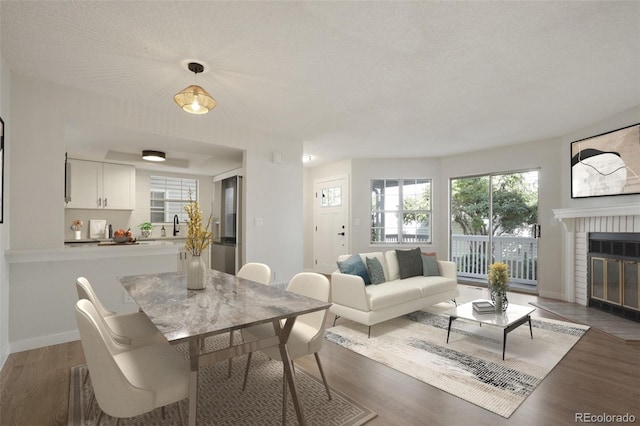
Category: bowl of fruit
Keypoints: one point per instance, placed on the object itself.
(122, 236)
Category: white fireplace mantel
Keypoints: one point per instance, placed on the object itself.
(577, 223)
(615, 210)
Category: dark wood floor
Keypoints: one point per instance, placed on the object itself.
(601, 374)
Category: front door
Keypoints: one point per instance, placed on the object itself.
(331, 233)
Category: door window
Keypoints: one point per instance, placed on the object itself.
(331, 197)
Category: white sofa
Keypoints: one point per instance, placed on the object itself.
(375, 303)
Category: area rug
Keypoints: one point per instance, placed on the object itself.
(221, 400)
(470, 366)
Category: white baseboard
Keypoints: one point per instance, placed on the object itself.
(40, 342)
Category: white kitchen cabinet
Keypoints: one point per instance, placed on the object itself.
(97, 185)
(119, 186)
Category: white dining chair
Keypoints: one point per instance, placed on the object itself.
(307, 333)
(129, 382)
(253, 271)
(128, 330)
(258, 272)
(134, 329)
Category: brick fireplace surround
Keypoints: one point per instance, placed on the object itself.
(578, 223)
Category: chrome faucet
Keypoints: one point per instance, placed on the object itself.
(176, 225)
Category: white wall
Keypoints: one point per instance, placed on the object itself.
(547, 156)
(364, 170)
(40, 113)
(273, 190)
(360, 172)
(4, 234)
(551, 157)
(37, 205)
(273, 210)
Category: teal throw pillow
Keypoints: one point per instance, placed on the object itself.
(354, 266)
(410, 263)
(430, 265)
(375, 270)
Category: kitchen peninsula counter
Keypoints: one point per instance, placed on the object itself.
(41, 275)
(91, 250)
(175, 239)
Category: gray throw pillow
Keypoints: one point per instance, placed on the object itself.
(375, 270)
(410, 263)
(430, 265)
(354, 266)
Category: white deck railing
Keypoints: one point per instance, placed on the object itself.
(470, 253)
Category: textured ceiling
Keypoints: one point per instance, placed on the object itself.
(349, 79)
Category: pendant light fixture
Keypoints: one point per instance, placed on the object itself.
(194, 99)
(153, 155)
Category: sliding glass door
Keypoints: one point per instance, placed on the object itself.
(494, 219)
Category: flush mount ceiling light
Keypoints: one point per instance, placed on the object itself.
(153, 155)
(194, 99)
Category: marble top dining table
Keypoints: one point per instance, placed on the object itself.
(227, 303)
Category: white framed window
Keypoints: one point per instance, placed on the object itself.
(168, 197)
(401, 211)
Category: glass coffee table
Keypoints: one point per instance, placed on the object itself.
(512, 318)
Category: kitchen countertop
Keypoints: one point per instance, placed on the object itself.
(91, 250)
(88, 248)
(140, 240)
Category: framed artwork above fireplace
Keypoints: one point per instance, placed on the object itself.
(606, 164)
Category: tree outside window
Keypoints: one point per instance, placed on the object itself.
(515, 204)
(401, 211)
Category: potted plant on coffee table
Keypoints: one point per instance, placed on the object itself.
(498, 278)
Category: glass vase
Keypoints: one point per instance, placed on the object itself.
(196, 274)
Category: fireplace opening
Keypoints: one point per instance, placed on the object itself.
(614, 273)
